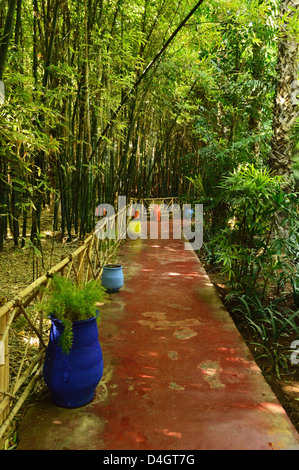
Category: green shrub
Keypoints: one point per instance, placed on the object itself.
(70, 302)
(295, 287)
(252, 248)
(272, 325)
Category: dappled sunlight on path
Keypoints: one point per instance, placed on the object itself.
(177, 374)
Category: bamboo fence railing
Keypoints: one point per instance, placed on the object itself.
(85, 263)
(82, 265)
(166, 202)
(147, 201)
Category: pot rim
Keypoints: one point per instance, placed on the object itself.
(76, 322)
(112, 266)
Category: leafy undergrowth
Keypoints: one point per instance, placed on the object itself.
(272, 357)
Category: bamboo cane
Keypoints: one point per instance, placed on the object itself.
(4, 366)
(28, 290)
(81, 262)
(103, 252)
(20, 402)
(20, 380)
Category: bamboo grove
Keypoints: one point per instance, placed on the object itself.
(93, 108)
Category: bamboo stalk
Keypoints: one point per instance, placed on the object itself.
(32, 326)
(20, 380)
(20, 402)
(70, 269)
(4, 367)
(90, 272)
(4, 406)
(25, 304)
(8, 324)
(102, 254)
(81, 260)
(21, 365)
(75, 272)
(7, 394)
(28, 290)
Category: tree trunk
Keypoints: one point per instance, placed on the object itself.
(7, 34)
(286, 102)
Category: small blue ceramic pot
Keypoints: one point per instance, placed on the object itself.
(112, 277)
(189, 213)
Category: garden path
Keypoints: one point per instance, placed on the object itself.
(177, 373)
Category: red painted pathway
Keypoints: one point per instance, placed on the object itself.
(178, 376)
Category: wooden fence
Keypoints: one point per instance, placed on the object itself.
(148, 202)
(21, 370)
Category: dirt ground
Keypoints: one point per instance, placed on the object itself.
(19, 267)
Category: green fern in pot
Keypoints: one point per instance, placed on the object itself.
(70, 302)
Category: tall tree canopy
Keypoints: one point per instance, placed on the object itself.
(108, 97)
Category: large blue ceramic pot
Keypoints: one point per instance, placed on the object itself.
(72, 378)
(112, 277)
